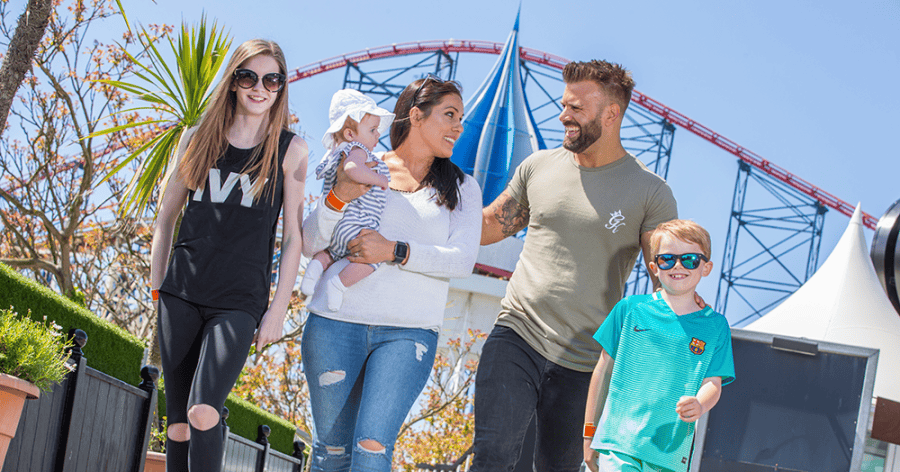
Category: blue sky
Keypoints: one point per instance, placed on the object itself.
(810, 86)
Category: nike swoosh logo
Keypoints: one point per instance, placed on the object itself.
(639, 330)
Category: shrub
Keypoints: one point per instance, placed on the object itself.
(32, 351)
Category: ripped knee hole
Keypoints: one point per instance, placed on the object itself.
(331, 377)
(203, 417)
(178, 432)
(334, 450)
(371, 446)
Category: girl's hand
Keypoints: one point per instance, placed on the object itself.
(590, 456)
(269, 331)
(370, 247)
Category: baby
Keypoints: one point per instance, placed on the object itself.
(356, 124)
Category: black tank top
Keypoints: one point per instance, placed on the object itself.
(223, 255)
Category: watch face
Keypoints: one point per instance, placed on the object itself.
(400, 250)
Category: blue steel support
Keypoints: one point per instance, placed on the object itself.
(650, 139)
(779, 246)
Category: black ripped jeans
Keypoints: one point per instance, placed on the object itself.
(203, 350)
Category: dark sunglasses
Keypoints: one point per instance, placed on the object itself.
(246, 78)
(429, 77)
(689, 261)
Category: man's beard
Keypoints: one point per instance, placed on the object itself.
(587, 135)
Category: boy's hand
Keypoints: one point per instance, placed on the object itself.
(689, 409)
(590, 456)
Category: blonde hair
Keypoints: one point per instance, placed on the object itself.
(685, 230)
(208, 143)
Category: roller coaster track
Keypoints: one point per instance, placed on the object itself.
(538, 57)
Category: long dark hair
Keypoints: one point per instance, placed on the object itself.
(444, 176)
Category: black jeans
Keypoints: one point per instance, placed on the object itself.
(513, 384)
(203, 350)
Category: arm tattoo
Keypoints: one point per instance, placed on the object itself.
(513, 217)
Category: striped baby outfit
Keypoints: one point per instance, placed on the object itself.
(363, 212)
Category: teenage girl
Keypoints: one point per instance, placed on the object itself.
(232, 175)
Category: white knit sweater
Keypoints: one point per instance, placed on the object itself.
(442, 244)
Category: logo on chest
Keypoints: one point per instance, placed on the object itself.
(616, 221)
(219, 191)
(697, 346)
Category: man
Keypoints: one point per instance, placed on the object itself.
(589, 206)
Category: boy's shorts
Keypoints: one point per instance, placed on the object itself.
(612, 461)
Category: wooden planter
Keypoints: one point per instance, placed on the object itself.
(155, 462)
(13, 393)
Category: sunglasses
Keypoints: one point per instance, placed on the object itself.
(246, 78)
(689, 261)
(428, 77)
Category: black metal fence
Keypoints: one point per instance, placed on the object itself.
(91, 422)
(243, 455)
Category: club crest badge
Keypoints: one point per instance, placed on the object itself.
(697, 346)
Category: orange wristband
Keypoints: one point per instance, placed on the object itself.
(154, 293)
(589, 430)
(335, 202)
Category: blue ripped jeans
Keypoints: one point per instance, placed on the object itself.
(363, 380)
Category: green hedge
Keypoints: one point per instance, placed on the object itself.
(109, 348)
(118, 353)
(244, 418)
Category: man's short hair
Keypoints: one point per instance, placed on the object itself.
(685, 230)
(612, 78)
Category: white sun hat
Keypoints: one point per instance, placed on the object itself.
(351, 103)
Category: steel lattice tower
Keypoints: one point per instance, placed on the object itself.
(779, 245)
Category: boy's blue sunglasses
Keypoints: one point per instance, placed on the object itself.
(689, 261)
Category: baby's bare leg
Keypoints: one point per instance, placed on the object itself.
(324, 258)
(354, 272)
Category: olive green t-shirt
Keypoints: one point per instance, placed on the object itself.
(582, 242)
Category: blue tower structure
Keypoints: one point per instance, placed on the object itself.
(500, 131)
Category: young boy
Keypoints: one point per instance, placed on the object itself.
(669, 359)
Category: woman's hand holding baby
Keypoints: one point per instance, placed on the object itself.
(370, 247)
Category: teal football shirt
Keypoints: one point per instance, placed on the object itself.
(659, 357)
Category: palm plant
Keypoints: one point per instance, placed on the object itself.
(178, 96)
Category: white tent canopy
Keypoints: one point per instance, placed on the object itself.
(843, 302)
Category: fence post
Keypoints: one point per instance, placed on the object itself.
(263, 438)
(149, 376)
(72, 415)
(225, 432)
(299, 448)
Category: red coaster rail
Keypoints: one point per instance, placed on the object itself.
(538, 57)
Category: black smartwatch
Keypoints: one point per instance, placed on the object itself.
(401, 250)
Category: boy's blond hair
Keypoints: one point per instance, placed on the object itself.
(685, 230)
